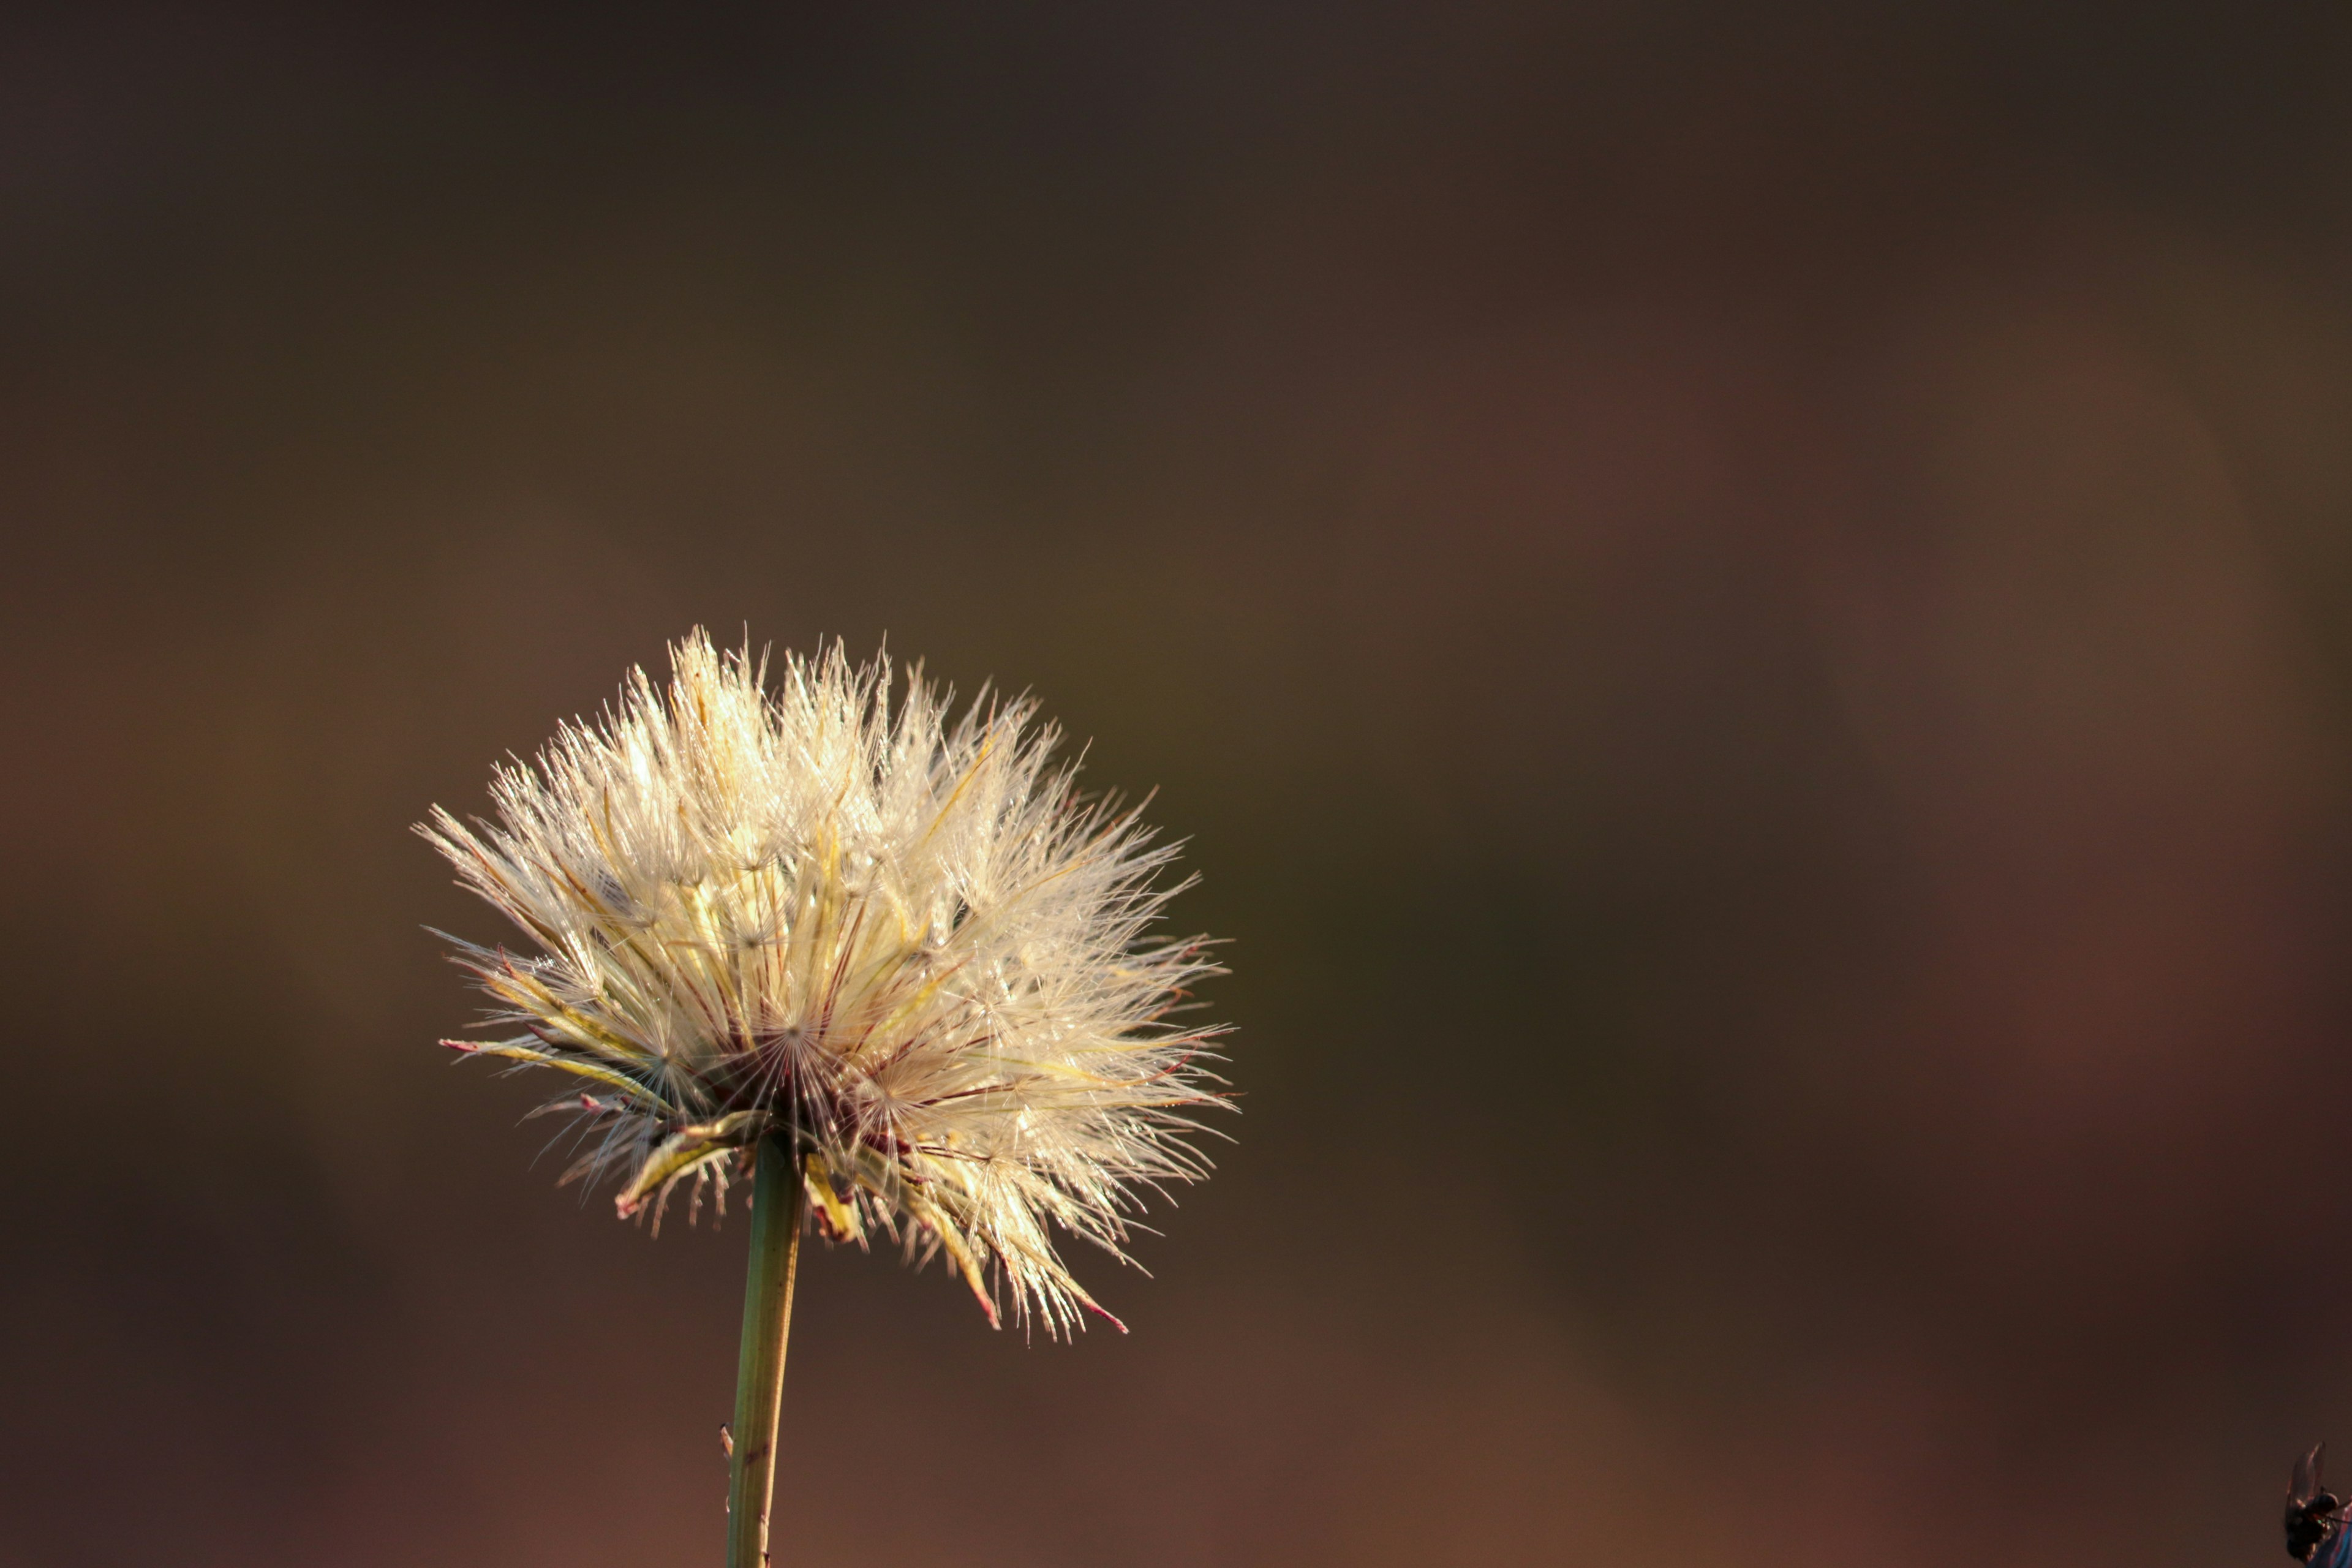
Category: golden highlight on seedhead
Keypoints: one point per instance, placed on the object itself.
(901, 940)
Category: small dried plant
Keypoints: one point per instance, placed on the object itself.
(883, 961)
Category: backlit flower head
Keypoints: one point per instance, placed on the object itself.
(900, 937)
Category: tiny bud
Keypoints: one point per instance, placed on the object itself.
(726, 1440)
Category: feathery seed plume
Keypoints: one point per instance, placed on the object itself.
(898, 939)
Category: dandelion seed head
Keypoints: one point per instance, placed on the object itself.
(898, 935)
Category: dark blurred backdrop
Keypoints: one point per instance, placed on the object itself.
(1749, 612)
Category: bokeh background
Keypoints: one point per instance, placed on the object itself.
(1748, 611)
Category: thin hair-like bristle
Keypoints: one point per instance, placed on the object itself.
(896, 932)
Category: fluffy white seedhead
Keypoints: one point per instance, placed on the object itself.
(903, 940)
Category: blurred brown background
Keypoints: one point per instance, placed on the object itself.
(1749, 612)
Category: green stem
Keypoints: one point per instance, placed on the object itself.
(760, 1372)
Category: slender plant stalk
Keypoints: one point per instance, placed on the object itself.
(760, 1372)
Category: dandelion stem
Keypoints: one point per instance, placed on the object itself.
(776, 1204)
